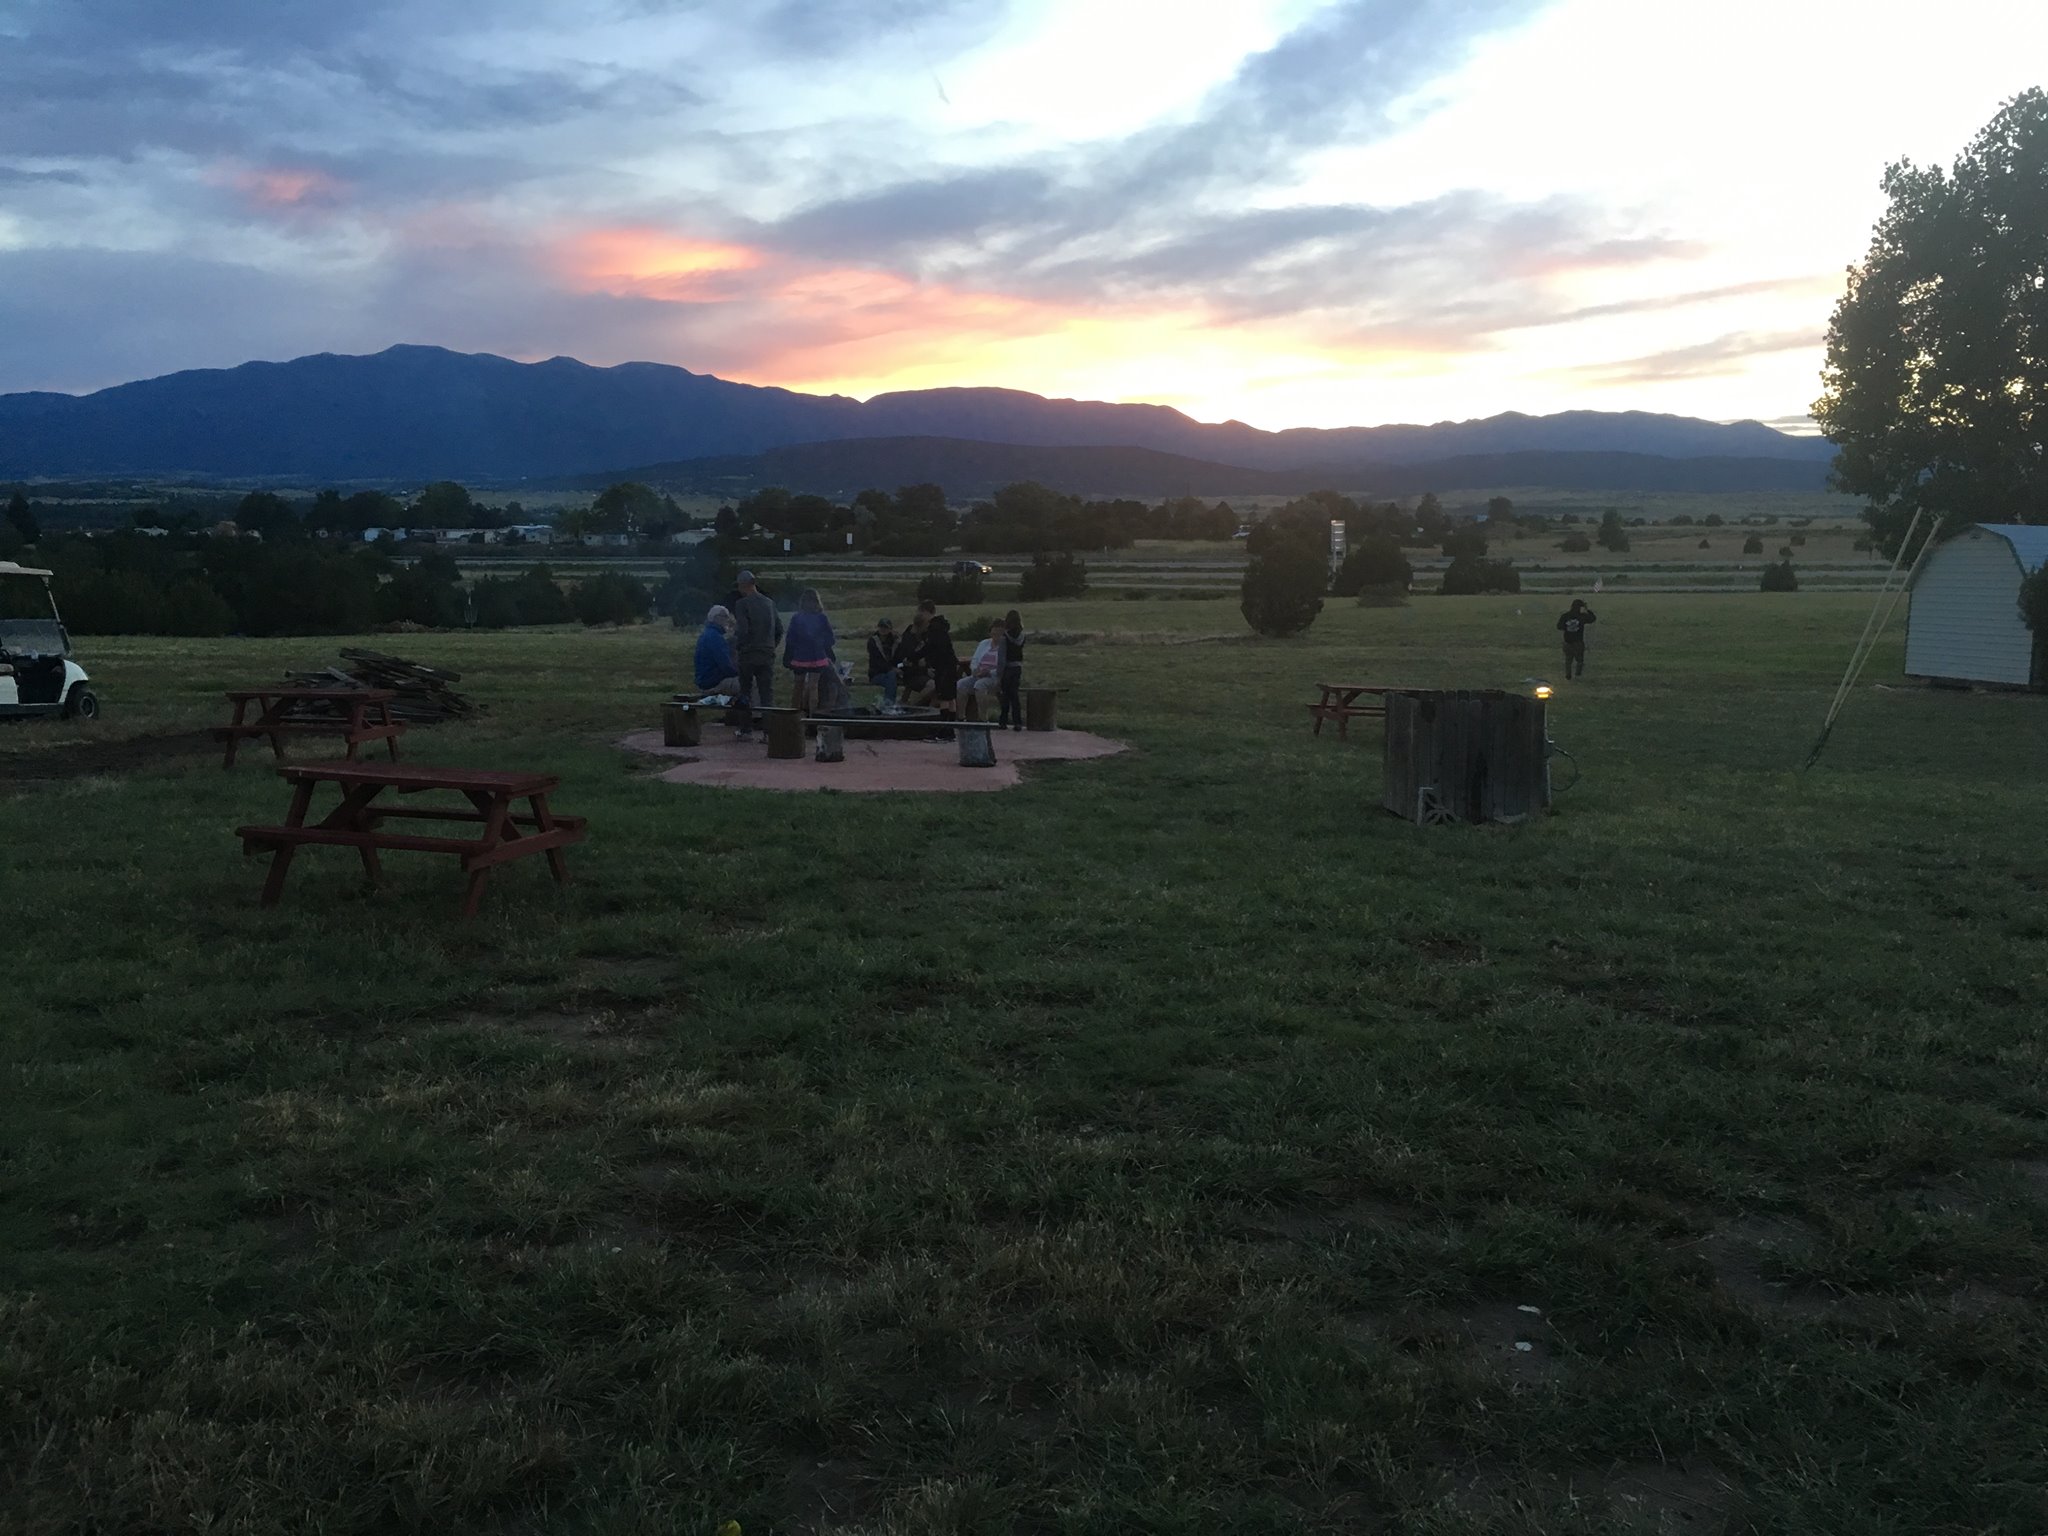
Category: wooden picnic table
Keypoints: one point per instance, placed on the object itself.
(357, 822)
(356, 714)
(1340, 702)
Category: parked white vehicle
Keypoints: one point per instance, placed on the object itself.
(37, 674)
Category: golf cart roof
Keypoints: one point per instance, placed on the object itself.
(9, 568)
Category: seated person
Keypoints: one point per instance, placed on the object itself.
(984, 673)
(716, 671)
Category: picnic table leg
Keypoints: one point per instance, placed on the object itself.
(392, 740)
(497, 813)
(474, 896)
(281, 860)
(557, 865)
(273, 716)
(353, 735)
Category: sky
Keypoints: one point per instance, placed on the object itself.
(1285, 212)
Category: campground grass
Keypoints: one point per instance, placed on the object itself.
(1176, 1143)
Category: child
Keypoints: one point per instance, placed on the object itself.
(1013, 671)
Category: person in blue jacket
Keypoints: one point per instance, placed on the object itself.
(717, 672)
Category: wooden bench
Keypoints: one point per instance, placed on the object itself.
(357, 715)
(357, 822)
(1340, 702)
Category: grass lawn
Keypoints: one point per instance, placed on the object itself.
(1174, 1144)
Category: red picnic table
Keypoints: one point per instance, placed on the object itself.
(1340, 703)
(356, 714)
(356, 822)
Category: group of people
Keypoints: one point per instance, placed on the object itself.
(736, 657)
(921, 666)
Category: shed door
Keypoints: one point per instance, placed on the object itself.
(1965, 620)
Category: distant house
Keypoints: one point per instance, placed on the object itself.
(395, 535)
(533, 533)
(1964, 625)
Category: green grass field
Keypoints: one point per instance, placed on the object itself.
(1174, 1144)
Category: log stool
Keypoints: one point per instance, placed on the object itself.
(831, 744)
(785, 731)
(977, 747)
(680, 726)
(1040, 707)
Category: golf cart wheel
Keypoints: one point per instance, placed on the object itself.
(82, 704)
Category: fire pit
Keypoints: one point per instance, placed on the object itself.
(909, 722)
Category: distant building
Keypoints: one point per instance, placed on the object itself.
(1964, 625)
(533, 533)
(395, 535)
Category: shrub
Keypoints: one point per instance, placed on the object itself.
(1286, 569)
(1784, 551)
(1706, 544)
(1468, 577)
(194, 609)
(1798, 538)
(503, 602)
(949, 589)
(1376, 561)
(611, 597)
(1779, 578)
(1683, 520)
(1712, 520)
(1047, 577)
(1752, 545)
(1575, 544)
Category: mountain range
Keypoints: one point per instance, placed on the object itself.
(410, 414)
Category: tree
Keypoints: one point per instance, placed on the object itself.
(267, 514)
(1612, 535)
(1374, 561)
(23, 520)
(1753, 545)
(1286, 566)
(444, 504)
(1779, 578)
(1468, 576)
(1467, 541)
(1499, 509)
(1935, 390)
(612, 597)
(1050, 576)
(1575, 544)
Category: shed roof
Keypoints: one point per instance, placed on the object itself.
(2029, 542)
(9, 568)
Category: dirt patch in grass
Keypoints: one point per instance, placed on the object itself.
(1329, 1223)
(602, 1030)
(88, 759)
(1745, 1256)
(1684, 1497)
(825, 1493)
(1511, 1339)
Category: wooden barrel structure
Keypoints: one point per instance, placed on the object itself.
(1467, 755)
(681, 725)
(785, 731)
(1041, 707)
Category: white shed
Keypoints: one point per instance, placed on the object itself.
(1964, 625)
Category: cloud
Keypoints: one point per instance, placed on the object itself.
(1705, 359)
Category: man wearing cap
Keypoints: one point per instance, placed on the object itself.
(757, 630)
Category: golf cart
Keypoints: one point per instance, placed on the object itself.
(37, 674)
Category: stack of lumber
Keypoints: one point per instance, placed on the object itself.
(426, 695)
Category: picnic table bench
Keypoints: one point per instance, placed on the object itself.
(356, 714)
(1340, 702)
(357, 822)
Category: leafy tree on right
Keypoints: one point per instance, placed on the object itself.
(1936, 384)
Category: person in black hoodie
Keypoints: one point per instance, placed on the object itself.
(1013, 671)
(942, 660)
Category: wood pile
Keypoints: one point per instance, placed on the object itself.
(426, 695)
